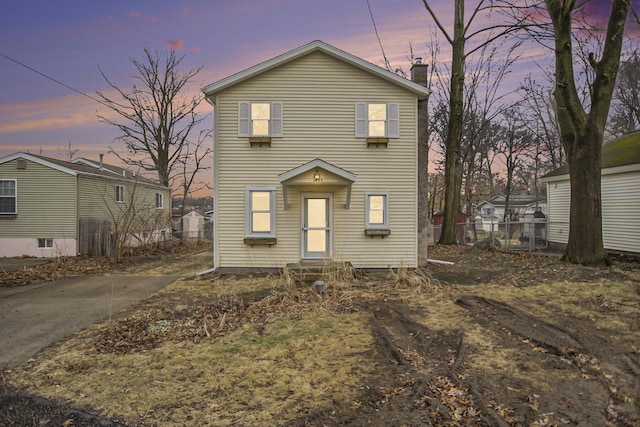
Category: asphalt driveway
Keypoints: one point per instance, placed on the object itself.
(35, 316)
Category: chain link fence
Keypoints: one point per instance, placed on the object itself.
(529, 236)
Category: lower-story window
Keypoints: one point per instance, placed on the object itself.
(260, 212)
(45, 243)
(377, 210)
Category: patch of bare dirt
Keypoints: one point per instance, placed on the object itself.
(495, 339)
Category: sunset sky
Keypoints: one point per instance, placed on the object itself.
(69, 40)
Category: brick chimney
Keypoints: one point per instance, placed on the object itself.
(419, 76)
(419, 72)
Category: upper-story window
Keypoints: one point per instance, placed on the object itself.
(159, 200)
(120, 193)
(260, 119)
(8, 205)
(377, 120)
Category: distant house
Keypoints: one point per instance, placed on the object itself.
(520, 206)
(316, 159)
(620, 197)
(50, 207)
(193, 225)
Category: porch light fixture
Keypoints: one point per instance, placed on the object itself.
(316, 176)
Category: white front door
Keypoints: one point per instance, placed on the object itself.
(316, 226)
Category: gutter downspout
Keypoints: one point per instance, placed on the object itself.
(215, 198)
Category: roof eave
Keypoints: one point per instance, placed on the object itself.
(213, 88)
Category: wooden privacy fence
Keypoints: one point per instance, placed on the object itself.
(95, 237)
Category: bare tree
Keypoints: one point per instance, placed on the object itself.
(625, 109)
(155, 118)
(585, 75)
(542, 119)
(582, 129)
(136, 221)
(68, 153)
(514, 145)
(191, 163)
(462, 32)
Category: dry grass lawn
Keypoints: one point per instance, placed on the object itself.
(496, 339)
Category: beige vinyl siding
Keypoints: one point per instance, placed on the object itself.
(46, 202)
(621, 211)
(97, 198)
(319, 94)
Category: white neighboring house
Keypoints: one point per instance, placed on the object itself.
(521, 206)
(620, 197)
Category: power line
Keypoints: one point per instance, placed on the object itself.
(50, 78)
(387, 64)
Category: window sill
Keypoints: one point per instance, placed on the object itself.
(377, 142)
(255, 141)
(380, 232)
(260, 241)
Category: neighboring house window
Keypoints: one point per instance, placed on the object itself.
(260, 119)
(377, 210)
(488, 211)
(159, 200)
(8, 205)
(120, 193)
(45, 243)
(377, 120)
(261, 212)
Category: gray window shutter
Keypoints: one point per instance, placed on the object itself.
(361, 120)
(244, 109)
(276, 119)
(393, 117)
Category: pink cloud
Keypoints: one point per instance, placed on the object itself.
(150, 18)
(175, 44)
(196, 49)
(186, 11)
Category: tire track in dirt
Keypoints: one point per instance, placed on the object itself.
(621, 407)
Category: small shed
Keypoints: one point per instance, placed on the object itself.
(620, 197)
(192, 225)
(461, 226)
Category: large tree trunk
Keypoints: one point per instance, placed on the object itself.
(453, 162)
(581, 132)
(585, 244)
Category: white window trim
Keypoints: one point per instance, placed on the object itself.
(117, 198)
(385, 224)
(245, 130)
(392, 122)
(15, 197)
(45, 240)
(161, 204)
(249, 210)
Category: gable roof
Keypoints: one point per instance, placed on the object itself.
(622, 152)
(83, 167)
(314, 164)
(315, 46)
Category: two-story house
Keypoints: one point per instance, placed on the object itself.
(315, 159)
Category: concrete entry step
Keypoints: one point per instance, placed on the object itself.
(310, 271)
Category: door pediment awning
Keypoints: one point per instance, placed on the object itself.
(317, 175)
